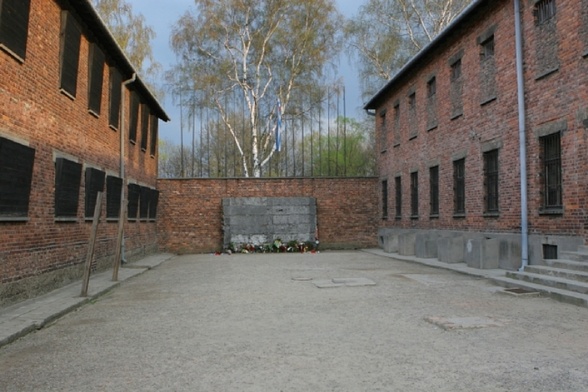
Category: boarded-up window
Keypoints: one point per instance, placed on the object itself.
(115, 96)
(70, 53)
(154, 130)
(145, 199)
(153, 204)
(133, 117)
(68, 175)
(94, 184)
(96, 76)
(14, 26)
(144, 126)
(133, 205)
(113, 189)
(16, 174)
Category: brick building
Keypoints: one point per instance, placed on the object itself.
(73, 121)
(451, 130)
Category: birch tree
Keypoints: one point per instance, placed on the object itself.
(263, 52)
(386, 33)
(133, 35)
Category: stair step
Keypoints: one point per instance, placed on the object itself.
(583, 248)
(565, 273)
(567, 264)
(557, 294)
(551, 281)
(574, 255)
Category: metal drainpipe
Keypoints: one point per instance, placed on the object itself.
(122, 162)
(522, 136)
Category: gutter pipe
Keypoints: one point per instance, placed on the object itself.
(120, 245)
(522, 137)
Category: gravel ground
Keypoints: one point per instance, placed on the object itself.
(260, 323)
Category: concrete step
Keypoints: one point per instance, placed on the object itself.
(551, 281)
(557, 294)
(574, 255)
(565, 273)
(583, 248)
(567, 264)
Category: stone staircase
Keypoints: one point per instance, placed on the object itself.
(564, 279)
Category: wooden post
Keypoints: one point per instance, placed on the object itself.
(119, 238)
(90, 255)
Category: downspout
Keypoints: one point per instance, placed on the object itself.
(522, 136)
(120, 246)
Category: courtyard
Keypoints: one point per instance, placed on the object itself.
(331, 321)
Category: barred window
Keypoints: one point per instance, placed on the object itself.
(16, 175)
(414, 195)
(434, 190)
(134, 192)
(487, 48)
(113, 190)
(431, 87)
(552, 171)
(491, 181)
(456, 70)
(459, 186)
(67, 187)
(94, 184)
(544, 11)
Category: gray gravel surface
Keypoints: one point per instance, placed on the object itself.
(260, 323)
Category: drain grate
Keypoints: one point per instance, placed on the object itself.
(520, 291)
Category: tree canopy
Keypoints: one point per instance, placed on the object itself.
(259, 52)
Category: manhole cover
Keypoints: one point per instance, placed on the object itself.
(343, 282)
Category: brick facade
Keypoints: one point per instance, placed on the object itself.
(477, 112)
(39, 251)
(190, 211)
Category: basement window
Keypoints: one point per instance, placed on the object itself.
(549, 252)
(16, 174)
(14, 26)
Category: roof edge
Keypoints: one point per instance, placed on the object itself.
(467, 11)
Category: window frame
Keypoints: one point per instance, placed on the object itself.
(552, 161)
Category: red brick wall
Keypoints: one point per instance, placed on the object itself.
(33, 111)
(190, 211)
(561, 96)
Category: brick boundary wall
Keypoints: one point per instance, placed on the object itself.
(190, 210)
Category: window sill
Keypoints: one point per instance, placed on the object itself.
(115, 129)
(12, 54)
(383, 151)
(414, 217)
(412, 137)
(397, 218)
(93, 113)
(396, 145)
(111, 220)
(66, 219)
(459, 215)
(434, 216)
(432, 127)
(456, 116)
(551, 211)
(585, 54)
(385, 217)
(67, 94)
(491, 215)
(14, 219)
(546, 73)
(488, 100)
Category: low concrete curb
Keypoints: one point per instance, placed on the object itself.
(27, 316)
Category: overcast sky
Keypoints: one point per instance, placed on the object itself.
(162, 14)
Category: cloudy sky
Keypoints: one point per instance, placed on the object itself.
(162, 14)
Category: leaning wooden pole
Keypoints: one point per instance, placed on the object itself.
(91, 246)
